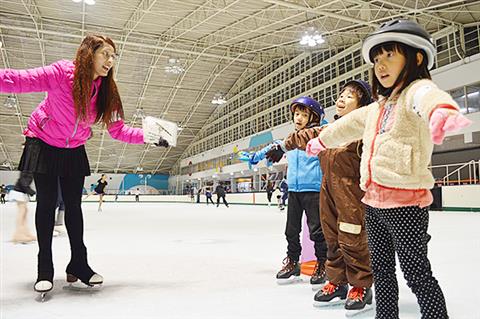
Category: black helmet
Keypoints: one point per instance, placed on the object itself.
(403, 31)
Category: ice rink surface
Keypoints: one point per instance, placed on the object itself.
(196, 261)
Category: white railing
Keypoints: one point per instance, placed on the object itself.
(459, 173)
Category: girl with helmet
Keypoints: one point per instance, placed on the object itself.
(342, 212)
(398, 133)
(303, 178)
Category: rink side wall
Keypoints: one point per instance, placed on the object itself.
(454, 198)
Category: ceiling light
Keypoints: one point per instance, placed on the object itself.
(89, 2)
(219, 99)
(174, 66)
(311, 38)
(10, 102)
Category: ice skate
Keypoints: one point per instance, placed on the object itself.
(289, 273)
(319, 276)
(23, 238)
(330, 295)
(22, 235)
(43, 287)
(74, 283)
(359, 301)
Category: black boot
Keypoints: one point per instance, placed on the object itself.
(358, 298)
(319, 275)
(330, 294)
(23, 183)
(290, 272)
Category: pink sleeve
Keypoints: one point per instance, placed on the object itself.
(41, 79)
(131, 135)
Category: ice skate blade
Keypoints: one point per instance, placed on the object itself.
(80, 286)
(43, 296)
(289, 281)
(332, 303)
(366, 312)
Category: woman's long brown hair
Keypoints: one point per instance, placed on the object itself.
(109, 103)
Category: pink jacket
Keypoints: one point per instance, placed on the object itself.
(54, 120)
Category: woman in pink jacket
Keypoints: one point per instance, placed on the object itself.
(81, 93)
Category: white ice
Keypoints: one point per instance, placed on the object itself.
(197, 261)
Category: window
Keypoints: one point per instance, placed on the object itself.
(473, 98)
(459, 97)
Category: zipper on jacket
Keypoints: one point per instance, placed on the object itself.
(369, 181)
(74, 132)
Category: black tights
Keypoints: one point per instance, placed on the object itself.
(47, 189)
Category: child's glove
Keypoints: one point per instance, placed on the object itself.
(445, 120)
(314, 147)
(251, 157)
(275, 154)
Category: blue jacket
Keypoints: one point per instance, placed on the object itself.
(304, 173)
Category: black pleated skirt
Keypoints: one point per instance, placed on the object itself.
(39, 157)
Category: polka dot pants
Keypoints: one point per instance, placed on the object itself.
(402, 230)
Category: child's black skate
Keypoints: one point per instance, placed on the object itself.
(319, 276)
(289, 273)
(330, 295)
(359, 300)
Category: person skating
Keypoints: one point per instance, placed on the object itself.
(220, 191)
(80, 93)
(99, 190)
(304, 177)
(342, 212)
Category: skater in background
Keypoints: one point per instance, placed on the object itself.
(283, 187)
(3, 193)
(220, 191)
(208, 195)
(342, 211)
(80, 93)
(137, 195)
(270, 188)
(304, 177)
(199, 192)
(100, 190)
(192, 193)
(22, 234)
(399, 131)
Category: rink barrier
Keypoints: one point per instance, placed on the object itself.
(461, 198)
(259, 198)
(453, 198)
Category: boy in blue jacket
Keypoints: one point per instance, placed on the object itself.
(304, 178)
